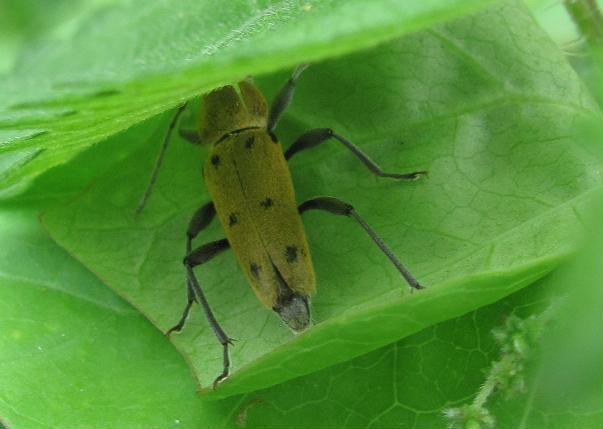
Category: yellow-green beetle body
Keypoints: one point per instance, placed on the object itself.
(252, 193)
(249, 181)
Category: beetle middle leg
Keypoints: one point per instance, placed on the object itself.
(338, 207)
(200, 220)
(319, 135)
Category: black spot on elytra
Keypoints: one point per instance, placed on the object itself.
(215, 160)
(291, 253)
(250, 142)
(233, 219)
(255, 269)
(266, 203)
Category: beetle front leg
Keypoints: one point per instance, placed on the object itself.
(319, 135)
(283, 98)
(191, 136)
(338, 207)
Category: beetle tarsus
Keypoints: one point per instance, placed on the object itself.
(178, 326)
(226, 368)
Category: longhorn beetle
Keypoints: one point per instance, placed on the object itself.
(250, 184)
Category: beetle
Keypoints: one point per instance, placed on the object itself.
(252, 193)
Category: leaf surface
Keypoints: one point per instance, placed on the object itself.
(485, 103)
(116, 63)
(93, 361)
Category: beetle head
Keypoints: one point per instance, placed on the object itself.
(292, 306)
(225, 110)
(295, 312)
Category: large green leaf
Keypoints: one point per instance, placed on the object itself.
(493, 124)
(414, 382)
(132, 60)
(74, 355)
(25, 23)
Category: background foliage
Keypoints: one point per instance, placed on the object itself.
(476, 93)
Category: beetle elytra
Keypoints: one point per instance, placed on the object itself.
(252, 193)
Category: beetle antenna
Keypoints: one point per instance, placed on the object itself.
(159, 161)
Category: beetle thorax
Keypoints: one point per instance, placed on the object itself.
(225, 111)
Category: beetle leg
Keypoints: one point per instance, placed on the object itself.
(283, 98)
(338, 207)
(159, 161)
(190, 298)
(190, 136)
(200, 220)
(197, 257)
(319, 135)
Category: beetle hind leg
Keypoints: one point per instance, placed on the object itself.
(338, 207)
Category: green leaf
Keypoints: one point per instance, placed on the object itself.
(132, 60)
(112, 369)
(564, 379)
(72, 353)
(413, 382)
(24, 23)
(492, 123)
